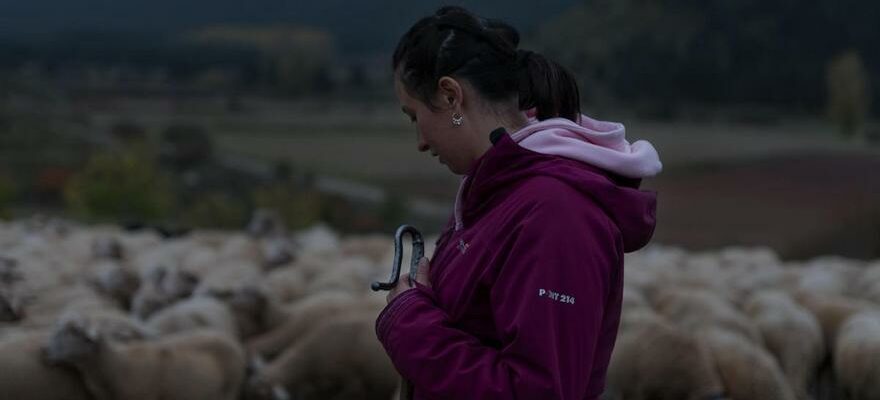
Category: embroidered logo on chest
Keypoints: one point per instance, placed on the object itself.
(462, 246)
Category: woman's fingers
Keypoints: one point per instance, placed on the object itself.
(405, 283)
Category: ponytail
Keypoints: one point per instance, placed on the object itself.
(547, 87)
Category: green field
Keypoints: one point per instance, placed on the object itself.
(791, 183)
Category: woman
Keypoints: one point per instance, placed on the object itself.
(522, 297)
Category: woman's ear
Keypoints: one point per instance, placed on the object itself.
(450, 92)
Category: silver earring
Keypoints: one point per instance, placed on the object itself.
(457, 119)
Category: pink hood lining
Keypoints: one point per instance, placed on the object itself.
(598, 143)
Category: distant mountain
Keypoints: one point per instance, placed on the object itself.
(359, 26)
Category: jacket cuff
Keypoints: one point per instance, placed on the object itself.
(392, 312)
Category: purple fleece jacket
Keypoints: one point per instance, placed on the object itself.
(526, 293)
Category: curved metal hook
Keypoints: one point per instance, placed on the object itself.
(418, 252)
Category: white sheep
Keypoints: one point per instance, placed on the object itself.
(285, 285)
(831, 311)
(193, 366)
(200, 260)
(869, 283)
(857, 356)
(192, 314)
(304, 315)
(26, 376)
(633, 299)
(135, 243)
(266, 222)
(229, 274)
(695, 309)
(829, 275)
(161, 286)
(748, 371)
(110, 324)
(340, 358)
(107, 247)
(792, 334)
(115, 280)
(350, 274)
(758, 271)
(318, 239)
(277, 252)
(254, 311)
(240, 247)
(654, 359)
(702, 271)
(38, 274)
(748, 258)
(653, 268)
(42, 309)
(376, 248)
(872, 293)
(312, 264)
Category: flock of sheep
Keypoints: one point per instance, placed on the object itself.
(741, 324)
(100, 313)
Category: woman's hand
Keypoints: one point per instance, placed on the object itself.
(404, 284)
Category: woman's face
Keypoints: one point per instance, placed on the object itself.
(435, 131)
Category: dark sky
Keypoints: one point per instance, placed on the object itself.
(358, 25)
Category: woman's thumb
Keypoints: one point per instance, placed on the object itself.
(422, 273)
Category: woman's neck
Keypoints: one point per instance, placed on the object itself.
(511, 122)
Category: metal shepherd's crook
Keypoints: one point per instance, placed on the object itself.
(418, 251)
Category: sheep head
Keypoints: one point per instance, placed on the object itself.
(147, 301)
(117, 282)
(266, 222)
(11, 309)
(277, 252)
(9, 271)
(72, 341)
(162, 286)
(177, 283)
(171, 281)
(107, 248)
(250, 306)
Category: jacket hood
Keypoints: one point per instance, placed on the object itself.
(593, 157)
(598, 143)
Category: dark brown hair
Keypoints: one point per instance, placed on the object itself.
(454, 42)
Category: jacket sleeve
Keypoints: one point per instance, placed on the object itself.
(548, 298)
